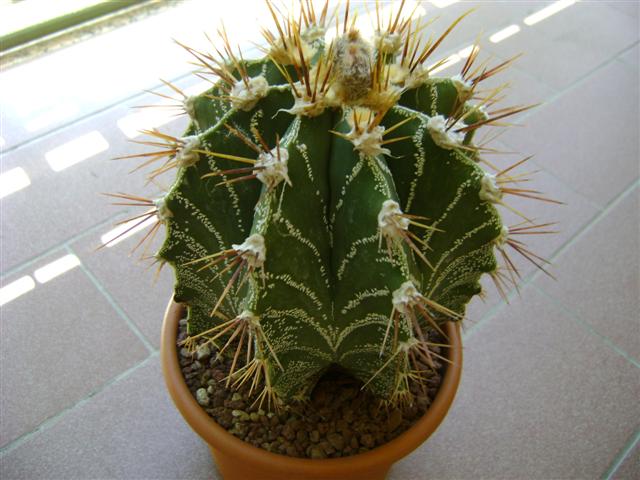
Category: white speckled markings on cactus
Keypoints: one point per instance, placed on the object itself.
(330, 205)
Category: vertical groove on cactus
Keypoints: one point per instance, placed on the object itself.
(330, 206)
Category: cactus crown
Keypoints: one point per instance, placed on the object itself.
(330, 206)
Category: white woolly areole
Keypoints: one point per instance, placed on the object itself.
(410, 343)
(398, 73)
(186, 155)
(313, 33)
(406, 297)
(384, 99)
(289, 53)
(502, 238)
(489, 189)
(245, 98)
(249, 317)
(417, 78)
(305, 107)
(462, 86)
(162, 211)
(369, 142)
(442, 137)
(387, 43)
(482, 111)
(271, 167)
(252, 250)
(390, 220)
(189, 105)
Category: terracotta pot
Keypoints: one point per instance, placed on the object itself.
(238, 460)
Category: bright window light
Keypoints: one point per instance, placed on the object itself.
(443, 3)
(56, 268)
(451, 60)
(76, 151)
(504, 33)
(197, 89)
(148, 118)
(15, 289)
(56, 114)
(548, 11)
(13, 180)
(465, 52)
(120, 233)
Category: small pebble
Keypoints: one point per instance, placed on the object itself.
(317, 452)
(336, 440)
(202, 397)
(240, 415)
(367, 440)
(395, 419)
(203, 352)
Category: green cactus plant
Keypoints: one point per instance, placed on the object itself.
(330, 206)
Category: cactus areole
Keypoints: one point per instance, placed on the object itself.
(330, 206)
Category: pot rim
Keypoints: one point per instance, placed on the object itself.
(219, 439)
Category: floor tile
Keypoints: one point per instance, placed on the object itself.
(58, 205)
(631, 58)
(481, 308)
(630, 467)
(601, 276)
(569, 217)
(58, 343)
(588, 137)
(130, 282)
(629, 7)
(540, 397)
(521, 88)
(554, 49)
(131, 430)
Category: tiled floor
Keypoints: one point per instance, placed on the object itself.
(551, 385)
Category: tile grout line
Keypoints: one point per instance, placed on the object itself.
(567, 185)
(558, 94)
(581, 80)
(51, 421)
(578, 319)
(621, 457)
(581, 233)
(536, 273)
(60, 246)
(68, 242)
(596, 219)
(132, 326)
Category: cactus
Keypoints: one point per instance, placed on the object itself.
(330, 206)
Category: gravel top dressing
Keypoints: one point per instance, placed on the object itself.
(340, 419)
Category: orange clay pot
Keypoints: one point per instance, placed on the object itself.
(238, 460)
